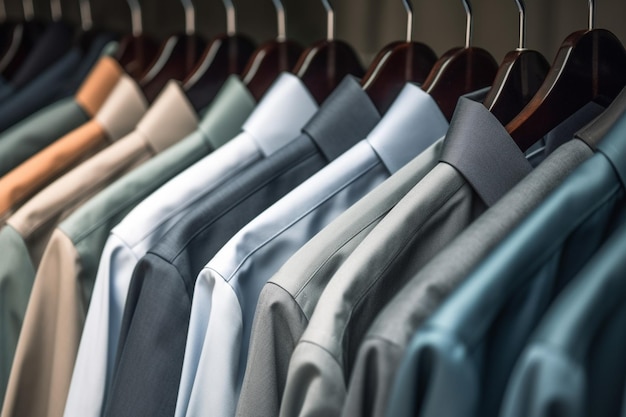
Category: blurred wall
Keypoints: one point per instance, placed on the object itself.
(367, 24)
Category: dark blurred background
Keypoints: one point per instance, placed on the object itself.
(366, 24)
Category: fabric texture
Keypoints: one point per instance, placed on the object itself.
(501, 301)
(90, 227)
(430, 216)
(573, 362)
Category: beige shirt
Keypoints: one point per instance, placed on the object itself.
(48, 342)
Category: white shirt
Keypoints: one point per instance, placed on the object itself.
(227, 289)
(277, 120)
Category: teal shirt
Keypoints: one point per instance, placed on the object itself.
(460, 361)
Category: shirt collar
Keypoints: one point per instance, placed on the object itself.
(412, 124)
(346, 117)
(281, 113)
(123, 108)
(481, 149)
(227, 113)
(593, 133)
(170, 118)
(97, 86)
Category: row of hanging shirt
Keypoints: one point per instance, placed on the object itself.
(299, 269)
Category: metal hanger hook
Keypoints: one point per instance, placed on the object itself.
(592, 14)
(280, 20)
(29, 9)
(136, 17)
(231, 24)
(330, 20)
(86, 22)
(190, 17)
(470, 21)
(409, 20)
(522, 24)
(56, 11)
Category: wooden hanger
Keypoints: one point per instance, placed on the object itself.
(21, 39)
(397, 64)
(323, 65)
(176, 58)
(271, 58)
(519, 77)
(136, 50)
(590, 66)
(225, 55)
(460, 71)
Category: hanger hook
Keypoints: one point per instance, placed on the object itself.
(330, 20)
(136, 17)
(56, 12)
(592, 14)
(190, 17)
(3, 11)
(281, 20)
(468, 29)
(231, 25)
(29, 9)
(409, 20)
(522, 24)
(86, 22)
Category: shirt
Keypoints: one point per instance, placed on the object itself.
(573, 362)
(91, 224)
(288, 299)
(481, 163)
(29, 229)
(500, 302)
(60, 80)
(193, 242)
(229, 285)
(39, 130)
(382, 349)
(58, 301)
(23, 182)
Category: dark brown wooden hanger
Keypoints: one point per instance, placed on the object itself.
(267, 62)
(175, 60)
(136, 50)
(460, 71)
(590, 66)
(323, 65)
(518, 79)
(21, 39)
(135, 53)
(225, 55)
(397, 64)
(271, 58)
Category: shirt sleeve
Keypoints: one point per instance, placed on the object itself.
(152, 342)
(16, 280)
(278, 324)
(213, 349)
(47, 346)
(98, 343)
(315, 384)
(372, 377)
